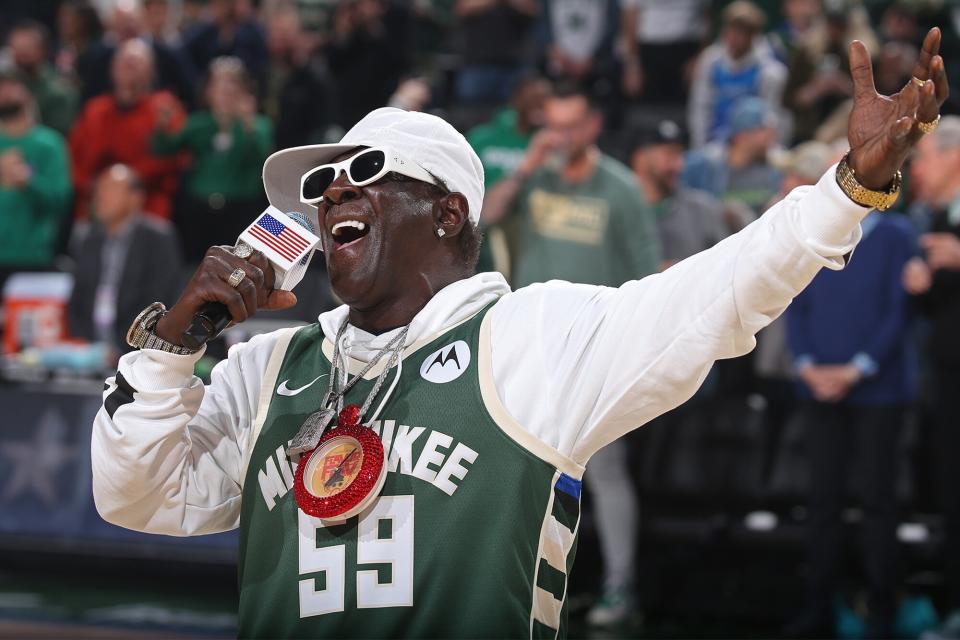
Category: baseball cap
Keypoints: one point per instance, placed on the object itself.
(429, 141)
(751, 113)
(659, 132)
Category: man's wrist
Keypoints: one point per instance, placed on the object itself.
(861, 190)
(143, 332)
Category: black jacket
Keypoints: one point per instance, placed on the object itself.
(942, 305)
(303, 108)
(152, 271)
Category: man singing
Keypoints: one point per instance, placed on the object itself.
(488, 403)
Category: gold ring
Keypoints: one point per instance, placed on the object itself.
(243, 250)
(917, 81)
(236, 277)
(928, 127)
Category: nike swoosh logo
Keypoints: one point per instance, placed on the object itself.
(284, 390)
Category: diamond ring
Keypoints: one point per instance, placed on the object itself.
(236, 277)
(242, 250)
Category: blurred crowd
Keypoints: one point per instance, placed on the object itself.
(618, 138)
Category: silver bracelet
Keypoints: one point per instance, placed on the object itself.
(140, 335)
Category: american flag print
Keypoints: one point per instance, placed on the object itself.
(279, 237)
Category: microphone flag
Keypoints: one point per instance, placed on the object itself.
(283, 240)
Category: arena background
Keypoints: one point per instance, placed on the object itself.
(721, 483)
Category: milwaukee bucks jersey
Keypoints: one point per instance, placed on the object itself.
(474, 532)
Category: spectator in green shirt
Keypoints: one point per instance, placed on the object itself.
(584, 216)
(228, 143)
(502, 142)
(586, 220)
(501, 145)
(54, 96)
(34, 182)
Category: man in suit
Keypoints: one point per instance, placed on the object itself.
(123, 260)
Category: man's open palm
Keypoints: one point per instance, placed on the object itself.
(882, 129)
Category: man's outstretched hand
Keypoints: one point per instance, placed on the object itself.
(883, 129)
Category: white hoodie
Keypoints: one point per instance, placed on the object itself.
(574, 366)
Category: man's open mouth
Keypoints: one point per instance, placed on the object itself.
(347, 232)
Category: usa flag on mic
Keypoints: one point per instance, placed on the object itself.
(281, 238)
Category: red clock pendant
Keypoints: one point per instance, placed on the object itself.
(344, 474)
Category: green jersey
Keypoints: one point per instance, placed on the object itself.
(472, 536)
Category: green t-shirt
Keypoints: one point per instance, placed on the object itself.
(500, 145)
(599, 231)
(31, 215)
(225, 162)
(474, 532)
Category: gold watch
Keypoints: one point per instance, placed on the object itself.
(880, 200)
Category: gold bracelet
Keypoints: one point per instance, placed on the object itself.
(850, 185)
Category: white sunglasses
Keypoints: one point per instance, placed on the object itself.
(366, 167)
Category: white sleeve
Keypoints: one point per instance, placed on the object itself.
(577, 366)
(168, 454)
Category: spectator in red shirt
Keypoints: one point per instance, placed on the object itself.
(116, 127)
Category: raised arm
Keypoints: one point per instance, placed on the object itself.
(579, 366)
(500, 199)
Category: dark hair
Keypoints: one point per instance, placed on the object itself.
(526, 79)
(37, 28)
(570, 89)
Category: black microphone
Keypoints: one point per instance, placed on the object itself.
(213, 317)
(207, 323)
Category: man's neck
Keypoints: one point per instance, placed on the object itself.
(394, 313)
(581, 167)
(118, 226)
(126, 100)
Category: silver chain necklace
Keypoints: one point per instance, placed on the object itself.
(317, 422)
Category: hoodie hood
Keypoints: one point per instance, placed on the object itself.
(450, 306)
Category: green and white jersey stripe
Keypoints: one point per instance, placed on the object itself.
(558, 540)
(475, 529)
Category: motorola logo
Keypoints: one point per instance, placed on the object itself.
(446, 363)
